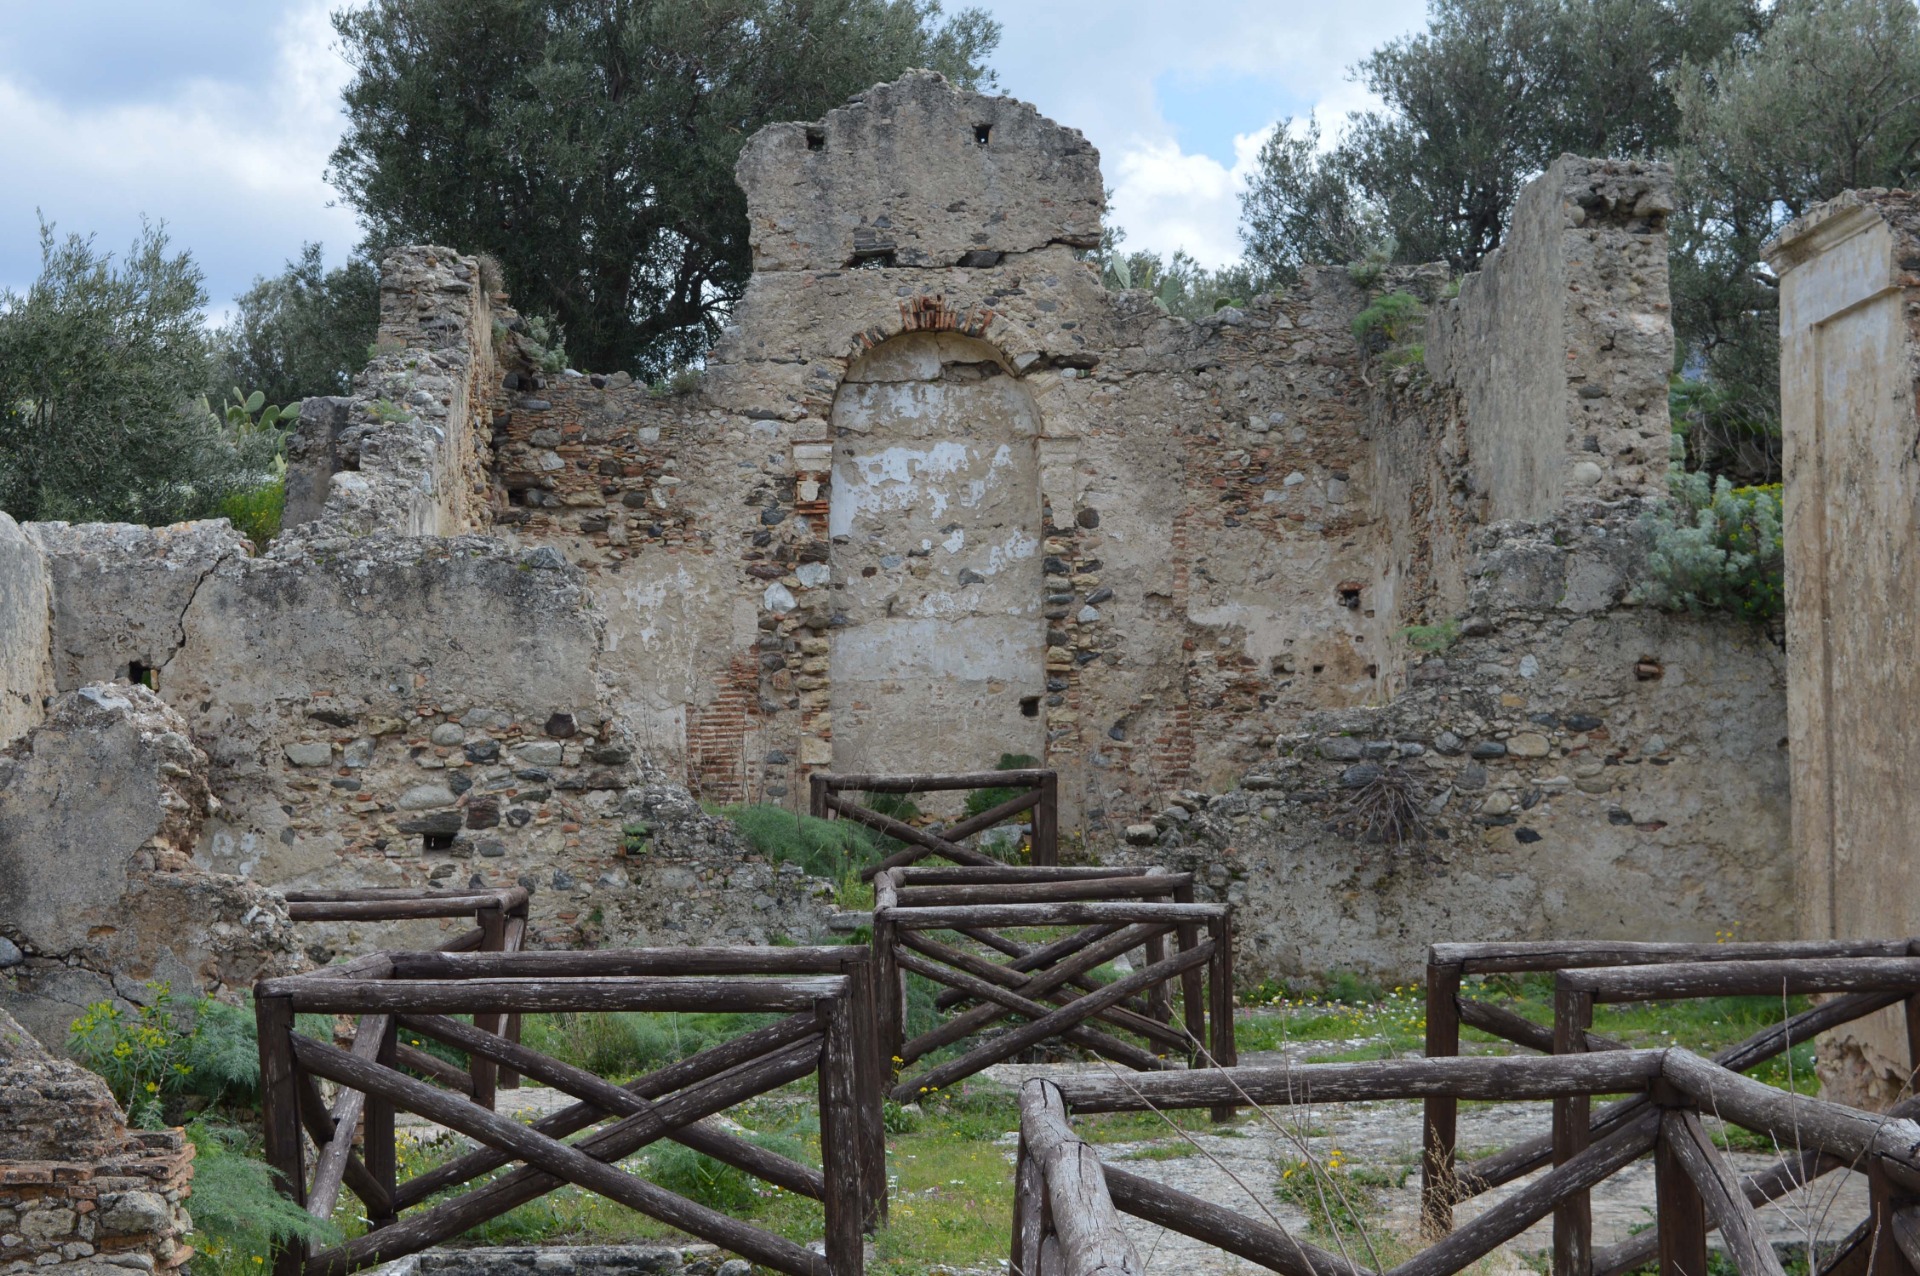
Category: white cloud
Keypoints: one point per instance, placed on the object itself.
(1094, 66)
(234, 167)
(1168, 199)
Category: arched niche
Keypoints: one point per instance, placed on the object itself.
(938, 656)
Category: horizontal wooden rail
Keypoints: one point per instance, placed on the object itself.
(936, 783)
(1062, 914)
(678, 962)
(487, 996)
(1745, 978)
(1489, 1077)
(974, 875)
(1532, 956)
(1083, 888)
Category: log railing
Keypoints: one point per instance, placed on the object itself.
(1039, 793)
(1066, 1217)
(1868, 975)
(499, 926)
(1047, 987)
(826, 994)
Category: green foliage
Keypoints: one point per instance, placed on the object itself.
(1472, 108)
(627, 1043)
(256, 511)
(712, 1183)
(103, 364)
(304, 331)
(833, 849)
(591, 148)
(1388, 321)
(1179, 285)
(164, 1051)
(1305, 207)
(1717, 547)
(1825, 99)
(142, 1055)
(980, 801)
(1432, 639)
(549, 341)
(682, 380)
(237, 1212)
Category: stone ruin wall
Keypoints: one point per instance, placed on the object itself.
(80, 1194)
(1850, 372)
(1599, 769)
(514, 610)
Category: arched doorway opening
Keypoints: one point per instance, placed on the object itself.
(938, 653)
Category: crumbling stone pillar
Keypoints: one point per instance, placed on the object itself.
(80, 1194)
(100, 810)
(1849, 347)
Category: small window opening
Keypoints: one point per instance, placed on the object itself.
(517, 496)
(1029, 706)
(144, 675)
(816, 139)
(1349, 591)
(1319, 668)
(1373, 671)
(980, 134)
(873, 259)
(436, 841)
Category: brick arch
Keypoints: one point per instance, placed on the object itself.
(934, 312)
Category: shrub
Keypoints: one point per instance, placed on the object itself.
(1388, 321)
(832, 849)
(256, 512)
(610, 1045)
(237, 1213)
(1717, 547)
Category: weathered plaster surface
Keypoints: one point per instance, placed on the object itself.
(1849, 352)
(26, 614)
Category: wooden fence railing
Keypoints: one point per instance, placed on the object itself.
(827, 994)
(499, 926)
(1869, 975)
(1048, 986)
(1040, 794)
(1066, 1215)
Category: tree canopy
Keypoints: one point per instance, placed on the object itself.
(103, 373)
(1764, 110)
(304, 331)
(590, 146)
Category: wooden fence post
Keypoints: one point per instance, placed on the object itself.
(842, 1149)
(1046, 822)
(817, 797)
(1192, 999)
(280, 1117)
(1573, 1216)
(1220, 977)
(1438, 1171)
(381, 1155)
(1680, 1213)
(485, 1072)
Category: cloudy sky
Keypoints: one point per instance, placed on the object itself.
(216, 116)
